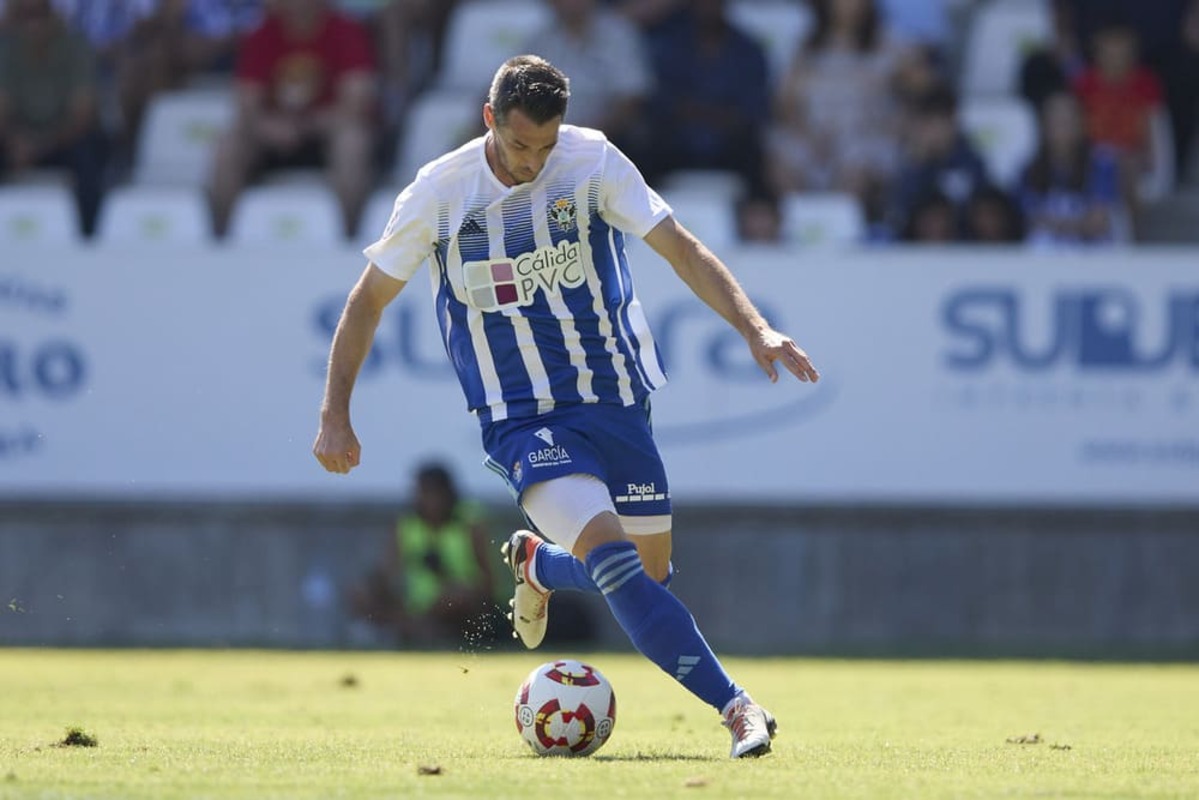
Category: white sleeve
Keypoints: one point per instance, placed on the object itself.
(626, 201)
(410, 235)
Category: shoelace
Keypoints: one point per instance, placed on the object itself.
(740, 722)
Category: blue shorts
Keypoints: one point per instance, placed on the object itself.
(613, 443)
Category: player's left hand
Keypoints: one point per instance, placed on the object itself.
(769, 345)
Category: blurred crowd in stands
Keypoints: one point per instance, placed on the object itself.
(869, 106)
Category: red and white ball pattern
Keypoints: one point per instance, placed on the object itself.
(565, 708)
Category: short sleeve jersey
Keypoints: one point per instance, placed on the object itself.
(300, 74)
(1118, 112)
(531, 283)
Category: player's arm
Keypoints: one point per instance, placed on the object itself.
(712, 282)
(336, 445)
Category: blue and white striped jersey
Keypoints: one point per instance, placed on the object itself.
(531, 283)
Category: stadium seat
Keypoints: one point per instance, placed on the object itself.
(135, 215)
(437, 122)
(1157, 184)
(482, 34)
(38, 214)
(179, 135)
(1001, 35)
(698, 181)
(710, 216)
(814, 220)
(779, 26)
(287, 215)
(375, 216)
(1004, 131)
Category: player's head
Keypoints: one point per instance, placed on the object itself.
(434, 493)
(524, 109)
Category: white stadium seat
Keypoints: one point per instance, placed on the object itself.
(438, 122)
(1004, 131)
(375, 216)
(39, 214)
(1001, 35)
(709, 215)
(778, 25)
(815, 220)
(290, 215)
(1157, 184)
(179, 135)
(699, 181)
(155, 215)
(482, 35)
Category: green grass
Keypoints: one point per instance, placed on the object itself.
(175, 724)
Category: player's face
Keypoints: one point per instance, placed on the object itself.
(520, 147)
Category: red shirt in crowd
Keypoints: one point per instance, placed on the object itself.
(301, 74)
(1118, 111)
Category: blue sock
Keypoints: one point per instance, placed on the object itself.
(658, 624)
(557, 569)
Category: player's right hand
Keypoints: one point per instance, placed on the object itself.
(337, 447)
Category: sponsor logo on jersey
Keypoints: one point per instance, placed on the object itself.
(504, 283)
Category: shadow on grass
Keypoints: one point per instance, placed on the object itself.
(654, 757)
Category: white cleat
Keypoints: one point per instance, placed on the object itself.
(752, 728)
(530, 604)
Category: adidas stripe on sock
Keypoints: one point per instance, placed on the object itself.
(658, 624)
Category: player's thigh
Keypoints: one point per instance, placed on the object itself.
(574, 511)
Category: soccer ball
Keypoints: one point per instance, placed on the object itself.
(565, 708)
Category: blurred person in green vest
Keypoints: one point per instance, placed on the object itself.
(435, 585)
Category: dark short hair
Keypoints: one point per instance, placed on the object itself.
(533, 85)
(437, 475)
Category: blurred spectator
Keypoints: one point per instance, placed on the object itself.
(1052, 68)
(924, 22)
(436, 578)
(407, 36)
(305, 87)
(712, 99)
(48, 109)
(1168, 31)
(938, 157)
(120, 34)
(1071, 191)
(1122, 100)
(992, 217)
(201, 36)
(759, 219)
(651, 15)
(837, 111)
(1182, 90)
(602, 53)
(933, 220)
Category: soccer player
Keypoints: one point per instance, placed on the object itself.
(524, 229)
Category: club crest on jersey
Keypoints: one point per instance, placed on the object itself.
(563, 212)
(506, 282)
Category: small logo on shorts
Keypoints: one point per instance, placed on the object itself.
(641, 492)
(550, 456)
(518, 470)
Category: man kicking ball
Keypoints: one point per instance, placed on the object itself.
(524, 230)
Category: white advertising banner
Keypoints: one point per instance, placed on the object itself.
(950, 376)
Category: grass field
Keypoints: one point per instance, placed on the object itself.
(174, 724)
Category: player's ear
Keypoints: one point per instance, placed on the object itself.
(488, 117)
